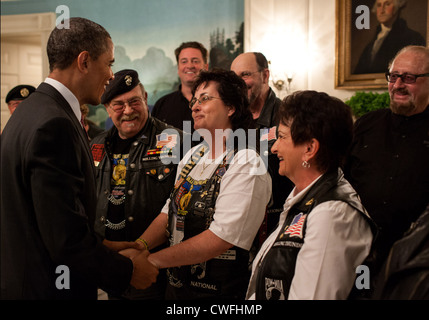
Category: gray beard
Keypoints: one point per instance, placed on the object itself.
(252, 98)
(402, 109)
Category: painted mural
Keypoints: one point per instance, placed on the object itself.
(146, 33)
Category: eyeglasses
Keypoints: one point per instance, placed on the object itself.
(405, 77)
(247, 74)
(202, 100)
(119, 106)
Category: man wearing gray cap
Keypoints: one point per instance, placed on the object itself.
(17, 95)
(133, 181)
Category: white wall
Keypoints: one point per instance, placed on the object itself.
(21, 63)
(23, 54)
(298, 35)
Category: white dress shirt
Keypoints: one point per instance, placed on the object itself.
(68, 95)
(380, 39)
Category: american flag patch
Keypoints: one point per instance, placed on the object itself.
(295, 228)
(269, 134)
(167, 140)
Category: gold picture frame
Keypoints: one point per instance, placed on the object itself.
(351, 41)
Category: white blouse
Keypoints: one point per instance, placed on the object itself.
(245, 191)
(337, 240)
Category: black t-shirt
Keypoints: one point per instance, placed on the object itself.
(115, 214)
(173, 109)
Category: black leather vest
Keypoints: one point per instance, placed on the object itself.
(278, 267)
(192, 204)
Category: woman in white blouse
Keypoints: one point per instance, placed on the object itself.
(219, 200)
(324, 233)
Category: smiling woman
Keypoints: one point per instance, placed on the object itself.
(324, 232)
(218, 202)
(222, 106)
(210, 112)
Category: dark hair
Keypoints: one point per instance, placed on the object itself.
(191, 44)
(261, 61)
(65, 45)
(233, 92)
(312, 114)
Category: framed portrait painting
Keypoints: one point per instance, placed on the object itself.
(369, 33)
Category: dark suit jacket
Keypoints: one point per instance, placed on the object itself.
(48, 206)
(399, 37)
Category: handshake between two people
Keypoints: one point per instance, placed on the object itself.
(144, 273)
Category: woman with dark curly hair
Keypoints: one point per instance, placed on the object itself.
(324, 232)
(233, 92)
(219, 200)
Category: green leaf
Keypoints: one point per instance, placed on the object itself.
(364, 102)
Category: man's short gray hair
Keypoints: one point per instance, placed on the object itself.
(399, 4)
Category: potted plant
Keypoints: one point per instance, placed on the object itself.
(364, 102)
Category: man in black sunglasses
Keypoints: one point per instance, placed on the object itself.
(388, 162)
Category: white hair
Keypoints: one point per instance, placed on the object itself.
(399, 4)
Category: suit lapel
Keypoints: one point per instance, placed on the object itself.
(64, 105)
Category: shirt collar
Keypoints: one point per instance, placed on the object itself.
(385, 29)
(68, 95)
(294, 198)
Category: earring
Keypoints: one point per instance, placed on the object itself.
(305, 164)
